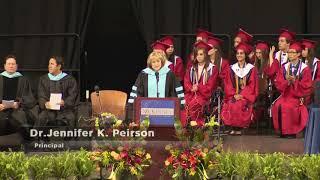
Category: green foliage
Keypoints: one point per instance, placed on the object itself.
(84, 166)
(273, 166)
(40, 167)
(311, 166)
(13, 165)
(63, 165)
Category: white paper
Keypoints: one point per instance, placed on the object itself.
(55, 100)
(7, 103)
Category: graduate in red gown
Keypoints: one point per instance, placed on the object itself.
(280, 57)
(202, 35)
(240, 91)
(261, 61)
(308, 56)
(174, 62)
(244, 37)
(289, 113)
(216, 58)
(199, 83)
(160, 47)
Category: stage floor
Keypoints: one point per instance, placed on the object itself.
(263, 144)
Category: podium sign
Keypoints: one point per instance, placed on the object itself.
(161, 111)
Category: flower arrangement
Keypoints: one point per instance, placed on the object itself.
(190, 163)
(196, 132)
(123, 160)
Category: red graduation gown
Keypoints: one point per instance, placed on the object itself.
(315, 74)
(279, 58)
(195, 101)
(224, 66)
(294, 115)
(177, 68)
(239, 113)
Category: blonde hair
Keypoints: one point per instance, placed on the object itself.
(156, 55)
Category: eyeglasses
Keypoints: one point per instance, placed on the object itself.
(291, 52)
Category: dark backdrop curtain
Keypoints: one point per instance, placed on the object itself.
(157, 17)
(39, 17)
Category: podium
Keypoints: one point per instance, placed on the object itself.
(162, 113)
(312, 134)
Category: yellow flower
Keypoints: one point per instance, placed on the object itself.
(148, 156)
(167, 163)
(193, 123)
(133, 171)
(115, 155)
(118, 122)
(205, 150)
(192, 172)
(168, 147)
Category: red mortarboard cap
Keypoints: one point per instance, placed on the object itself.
(296, 46)
(202, 44)
(169, 40)
(245, 47)
(213, 41)
(262, 45)
(289, 35)
(308, 43)
(160, 45)
(203, 33)
(245, 36)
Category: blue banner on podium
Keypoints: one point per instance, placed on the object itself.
(161, 111)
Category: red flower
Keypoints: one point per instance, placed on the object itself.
(138, 160)
(197, 152)
(192, 160)
(123, 154)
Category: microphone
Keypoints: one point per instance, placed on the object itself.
(157, 77)
(97, 89)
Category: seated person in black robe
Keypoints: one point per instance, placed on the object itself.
(17, 101)
(57, 82)
(157, 80)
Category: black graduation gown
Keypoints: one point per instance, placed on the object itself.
(173, 88)
(70, 95)
(27, 112)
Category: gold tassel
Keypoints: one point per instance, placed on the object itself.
(237, 84)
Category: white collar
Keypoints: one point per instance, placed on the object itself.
(241, 72)
(167, 63)
(284, 55)
(315, 60)
(303, 66)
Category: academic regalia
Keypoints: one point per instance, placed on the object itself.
(244, 36)
(280, 58)
(62, 83)
(223, 63)
(146, 86)
(315, 76)
(16, 87)
(294, 114)
(222, 71)
(177, 67)
(314, 66)
(262, 82)
(176, 64)
(239, 113)
(195, 101)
